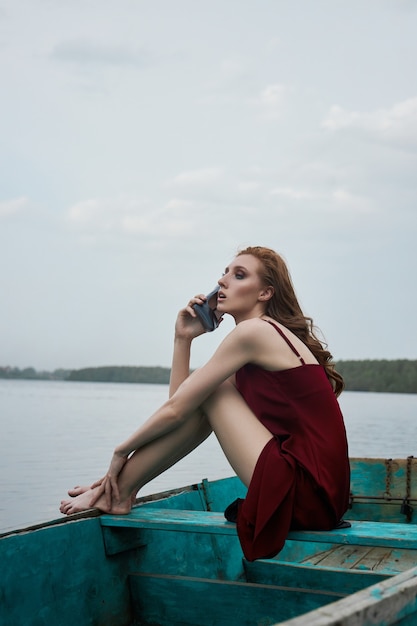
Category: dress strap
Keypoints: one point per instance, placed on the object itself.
(288, 342)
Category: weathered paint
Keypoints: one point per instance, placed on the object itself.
(83, 570)
(218, 603)
(61, 575)
(393, 601)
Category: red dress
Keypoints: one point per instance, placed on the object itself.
(302, 477)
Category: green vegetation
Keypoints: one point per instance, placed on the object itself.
(399, 376)
(156, 375)
(29, 373)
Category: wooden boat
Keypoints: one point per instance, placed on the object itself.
(174, 560)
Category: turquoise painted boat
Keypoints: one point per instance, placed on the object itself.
(174, 560)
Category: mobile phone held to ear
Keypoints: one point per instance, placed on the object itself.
(206, 313)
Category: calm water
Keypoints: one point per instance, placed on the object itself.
(58, 434)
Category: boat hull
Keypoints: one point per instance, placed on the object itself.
(175, 560)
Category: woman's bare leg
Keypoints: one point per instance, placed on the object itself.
(144, 465)
(241, 436)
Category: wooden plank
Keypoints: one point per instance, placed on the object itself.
(396, 561)
(59, 575)
(300, 551)
(343, 557)
(186, 554)
(392, 601)
(369, 477)
(377, 559)
(118, 539)
(364, 534)
(402, 536)
(386, 560)
(376, 510)
(186, 601)
(382, 560)
(172, 520)
(309, 577)
(317, 558)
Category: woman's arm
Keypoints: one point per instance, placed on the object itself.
(238, 348)
(241, 346)
(180, 368)
(187, 328)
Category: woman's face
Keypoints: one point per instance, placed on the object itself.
(241, 288)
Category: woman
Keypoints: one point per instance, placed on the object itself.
(268, 393)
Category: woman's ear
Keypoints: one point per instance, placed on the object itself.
(266, 293)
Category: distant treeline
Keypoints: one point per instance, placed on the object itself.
(124, 374)
(397, 376)
(29, 373)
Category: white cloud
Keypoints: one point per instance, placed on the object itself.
(84, 211)
(83, 52)
(272, 99)
(292, 193)
(397, 124)
(156, 224)
(178, 203)
(352, 203)
(13, 206)
(198, 177)
(232, 68)
(229, 83)
(248, 186)
(129, 216)
(272, 45)
(327, 200)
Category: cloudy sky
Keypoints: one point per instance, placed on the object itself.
(143, 143)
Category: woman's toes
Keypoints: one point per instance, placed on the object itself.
(77, 490)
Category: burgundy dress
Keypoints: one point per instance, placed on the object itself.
(301, 479)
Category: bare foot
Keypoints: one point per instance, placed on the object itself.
(79, 489)
(84, 500)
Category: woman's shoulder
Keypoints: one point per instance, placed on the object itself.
(253, 330)
(258, 324)
(272, 345)
(250, 326)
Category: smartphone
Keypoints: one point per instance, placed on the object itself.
(206, 313)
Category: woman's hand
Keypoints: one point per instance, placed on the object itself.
(188, 325)
(108, 484)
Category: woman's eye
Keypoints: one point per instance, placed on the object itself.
(239, 275)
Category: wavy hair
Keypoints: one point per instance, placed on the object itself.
(285, 309)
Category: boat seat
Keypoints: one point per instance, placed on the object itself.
(178, 600)
(364, 533)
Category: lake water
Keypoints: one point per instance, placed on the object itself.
(58, 434)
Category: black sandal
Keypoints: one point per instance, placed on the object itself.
(232, 510)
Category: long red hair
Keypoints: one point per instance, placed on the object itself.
(285, 309)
